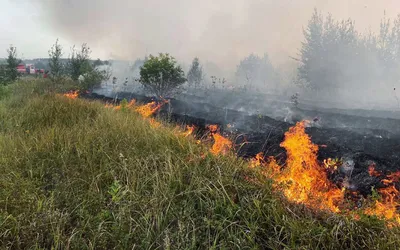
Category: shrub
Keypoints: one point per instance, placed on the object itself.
(161, 75)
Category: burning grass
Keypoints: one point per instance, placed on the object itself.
(78, 175)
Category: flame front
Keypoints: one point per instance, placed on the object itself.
(189, 130)
(149, 109)
(304, 179)
(386, 206)
(221, 145)
(72, 94)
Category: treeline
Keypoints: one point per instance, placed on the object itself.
(334, 55)
(79, 67)
(333, 58)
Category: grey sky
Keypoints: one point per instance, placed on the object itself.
(222, 31)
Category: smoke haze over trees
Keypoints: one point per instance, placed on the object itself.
(256, 72)
(222, 31)
(337, 59)
(354, 59)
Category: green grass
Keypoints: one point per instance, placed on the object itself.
(75, 175)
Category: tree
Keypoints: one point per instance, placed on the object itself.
(311, 49)
(254, 70)
(9, 72)
(55, 64)
(335, 58)
(79, 62)
(98, 62)
(80, 68)
(161, 75)
(195, 75)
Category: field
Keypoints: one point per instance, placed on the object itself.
(76, 175)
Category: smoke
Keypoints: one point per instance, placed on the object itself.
(222, 31)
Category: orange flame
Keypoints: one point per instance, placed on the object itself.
(303, 180)
(149, 109)
(108, 105)
(154, 123)
(372, 171)
(132, 103)
(307, 181)
(189, 130)
(386, 208)
(221, 145)
(257, 161)
(213, 128)
(394, 177)
(72, 94)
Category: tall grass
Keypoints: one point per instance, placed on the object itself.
(75, 175)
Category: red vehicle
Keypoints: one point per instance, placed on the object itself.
(21, 68)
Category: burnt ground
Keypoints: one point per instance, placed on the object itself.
(255, 133)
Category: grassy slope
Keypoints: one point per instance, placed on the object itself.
(76, 175)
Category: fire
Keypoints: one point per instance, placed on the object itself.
(386, 208)
(394, 177)
(132, 103)
(213, 128)
(268, 168)
(189, 130)
(307, 180)
(149, 109)
(72, 94)
(257, 161)
(154, 123)
(303, 180)
(108, 105)
(221, 145)
(372, 171)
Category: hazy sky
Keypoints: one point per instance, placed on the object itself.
(223, 31)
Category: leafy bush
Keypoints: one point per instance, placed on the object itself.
(80, 68)
(161, 75)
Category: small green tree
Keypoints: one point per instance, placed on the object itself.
(80, 68)
(9, 72)
(161, 75)
(79, 62)
(55, 64)
(195, 75)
